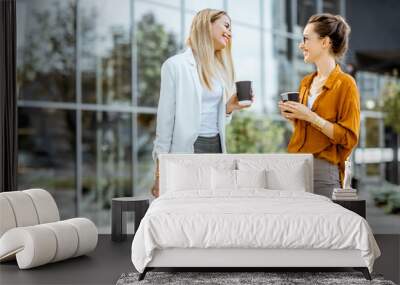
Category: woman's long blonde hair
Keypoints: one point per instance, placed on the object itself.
(211, 63)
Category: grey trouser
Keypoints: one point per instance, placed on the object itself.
(326, 177)
(208, 145)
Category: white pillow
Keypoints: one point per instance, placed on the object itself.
(223, 179)
(180, 172)
(181, 177)
(227, 179)
(279, 180)
(282, 174)
(251, 178)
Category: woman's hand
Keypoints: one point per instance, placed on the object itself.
(233, 103)
(282, 110)
(293, 110)
(155, 190)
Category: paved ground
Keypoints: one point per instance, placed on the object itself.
(380, 222)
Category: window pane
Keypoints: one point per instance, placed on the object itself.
(373, 169)
(105, 51)
(370, 86)
(276, 15)
(331, 6)
(302, 68)
(157, 30)
(305, 9)
(164, 3)
(46, 50)
(107, 163)
(247, 57)
(197, 5)
(285, 74)
(46, 154)
(146, 135)
(372, 132)
(279, 70)
(245, 11)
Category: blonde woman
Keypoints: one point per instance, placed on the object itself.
(197, 91)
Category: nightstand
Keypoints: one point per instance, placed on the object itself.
(138, 205)
(357, 206)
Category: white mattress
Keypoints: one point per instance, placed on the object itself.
(253, 218)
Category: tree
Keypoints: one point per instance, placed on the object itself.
(46, 58)
(154, 46)
(391, 108)
(391, 105)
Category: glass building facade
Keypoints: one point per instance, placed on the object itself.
(88, 75)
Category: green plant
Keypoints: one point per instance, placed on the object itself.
(393, 204)
(387, 196)
(381, 195)
(391, 105)
(252, 133)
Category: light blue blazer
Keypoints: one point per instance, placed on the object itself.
(179, 107)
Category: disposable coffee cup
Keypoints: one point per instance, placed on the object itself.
(244, 92)
(290, 96)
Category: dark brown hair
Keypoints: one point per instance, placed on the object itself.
(334, 27)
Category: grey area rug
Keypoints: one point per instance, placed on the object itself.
(231, 278)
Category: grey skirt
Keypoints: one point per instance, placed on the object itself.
(208, 145)
(326, 177)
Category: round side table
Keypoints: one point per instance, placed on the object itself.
(139, 205)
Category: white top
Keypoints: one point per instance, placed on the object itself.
(210, 100)
(315, 90)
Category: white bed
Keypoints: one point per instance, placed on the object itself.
(213, 211)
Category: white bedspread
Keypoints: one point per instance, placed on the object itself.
(250, 219)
